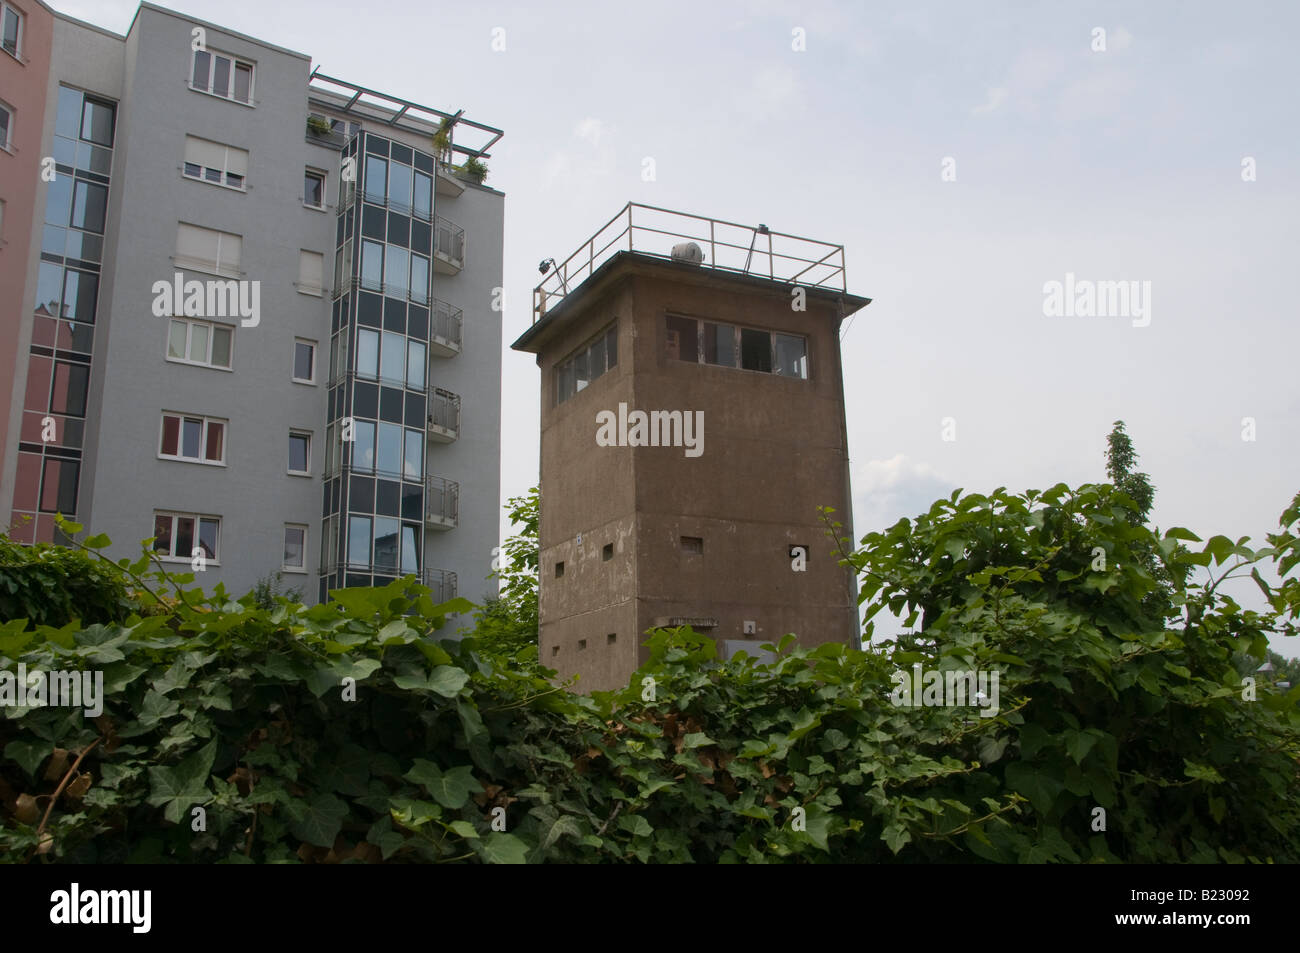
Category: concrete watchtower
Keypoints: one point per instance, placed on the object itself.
(692, 423)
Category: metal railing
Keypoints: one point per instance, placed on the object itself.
(449, 241)
(447, 324)
(441, 583)
(728, 246)
(354, 282)
(442, 500)
(444, 410)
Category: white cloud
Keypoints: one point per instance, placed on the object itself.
(996, 97)
(590, 130)
(884, 491)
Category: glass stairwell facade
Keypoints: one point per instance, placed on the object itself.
(382, 494)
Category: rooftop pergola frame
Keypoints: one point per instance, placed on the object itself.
(364, 103)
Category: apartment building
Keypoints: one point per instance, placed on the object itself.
(692, 425)
(249, 309)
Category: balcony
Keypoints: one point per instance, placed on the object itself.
(445, 332)
(448, 247)
(441, 503)
(441, 583)
(444, 415)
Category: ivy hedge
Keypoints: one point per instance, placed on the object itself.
(348, 732)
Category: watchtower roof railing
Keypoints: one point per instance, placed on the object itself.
(728, 246)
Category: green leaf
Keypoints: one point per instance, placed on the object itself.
(1040, 788)
(178, 788)
(451, 788)
(1202, 772)
(465, 829)
(447, 681)
(895, 836)
(321, 820)
(28, 755)
(501, 848)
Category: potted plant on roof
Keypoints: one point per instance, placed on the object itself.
(474, 169)
(442, 140)
(319, 126)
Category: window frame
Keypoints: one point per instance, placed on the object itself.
(312, 171)
(738, 331)
(306, 435)
(11, 114)
(17, 51)
(235, 63)
(198, 518)
(315, 350)
(212, 326)
(221, 267)
(286, 567)
(225, 172)
(569, 364)
(205, 421)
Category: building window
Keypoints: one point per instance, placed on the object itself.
(311, 272)
(725, 345)
(205, 249)
(6, 126)
(372, 266)
(693, 544)
(791, 354)
(304, 361)
(611, 638)
(175, 536)
(59, 485)
(419, 287)
(71, 385)
(359, 541)
(682, 342)
(214, 162)
(607, 553)
(582, 645)
(199, 342)
(376, 180)
(193, 439)
(12, 23)
(313, 189)
(299, 453)
(295, 547)
(222, 75)
(589, 362)
(755, 350)
(720, 344)
(559, 570)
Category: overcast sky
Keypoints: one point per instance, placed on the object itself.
(1117, 164)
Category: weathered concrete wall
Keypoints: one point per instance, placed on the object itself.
(773, 451)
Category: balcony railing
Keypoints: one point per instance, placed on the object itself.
(445, 332)
(441, 503)
(375, 197)
(740, 249)
(441, 583)
(388, 290)
(448, 246)
(444, 415)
